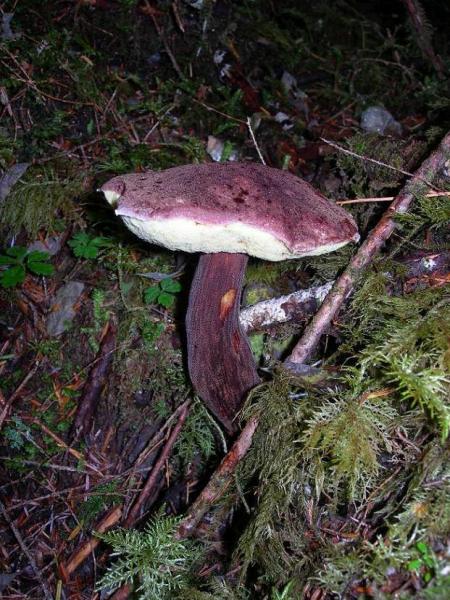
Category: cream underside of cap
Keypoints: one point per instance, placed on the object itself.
(190, 236)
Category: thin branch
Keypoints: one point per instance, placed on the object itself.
(284, 308)
(134, 513)
(249, 125)
(8, 403)
(344, 285)
(423, 37)
(386, 198)
(379, 163)
(80, 555)
(220, 480)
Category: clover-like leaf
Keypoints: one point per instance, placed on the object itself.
(170, 285)
(85, 246)
(17, 252)
(8, 260)
(166, 300)
(41, 268)
(12, 276)
(151, 294)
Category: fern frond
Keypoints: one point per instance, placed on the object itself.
(153, 557)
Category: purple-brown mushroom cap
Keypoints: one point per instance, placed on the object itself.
(235, 207)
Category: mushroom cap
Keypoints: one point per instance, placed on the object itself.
(234, 207)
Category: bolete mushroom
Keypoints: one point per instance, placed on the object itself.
(227, 212)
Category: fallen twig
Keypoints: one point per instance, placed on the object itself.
(255, 143)
(95, 382)
(79, 556)
(416, 175)
(8, 403)
(386, 198)
(370, 247)
(418, 19)
(220, 480)
(284, 308)
(424, 268)
(134, 513)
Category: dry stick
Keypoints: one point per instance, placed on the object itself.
(8, 403)
(220, 480)
(47, 594)
(283, 309)
(95, 382)
(255, 143)
(429, 268)
(416, 15)
(371, 246)
(134, 513)
(167, 48)
(79, 556)
(379, 163)
(386, 198)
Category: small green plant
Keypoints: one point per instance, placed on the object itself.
(19, 261)
(104, 496)
(86, 246)
(284, 594)
(100, 316)
(424, 563)
(153, 557)
(162, 293)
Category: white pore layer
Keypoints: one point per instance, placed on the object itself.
(190, 236)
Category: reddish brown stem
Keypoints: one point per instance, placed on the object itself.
(220, 361)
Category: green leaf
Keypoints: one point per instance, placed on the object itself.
(166, 300)
(12, 276)
(17, 251)
(89, 251)
(85, 246)
(37, 256)
(80, 238)
(151, 294)
(428, 561)
(41, 268)
(6, 260)
(414, 565)
(169, 285)
(422, 547)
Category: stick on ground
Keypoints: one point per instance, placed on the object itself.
(344, 285)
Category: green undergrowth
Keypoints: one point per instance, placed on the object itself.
(42, 200)
(329, 454)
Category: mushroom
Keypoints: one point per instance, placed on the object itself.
(227, 212)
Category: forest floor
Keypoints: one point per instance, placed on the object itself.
(339, 485)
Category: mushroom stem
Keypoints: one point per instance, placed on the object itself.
(220, 361)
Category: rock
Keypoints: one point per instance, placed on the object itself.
(63, 307)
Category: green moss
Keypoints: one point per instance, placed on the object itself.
(41, 198)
